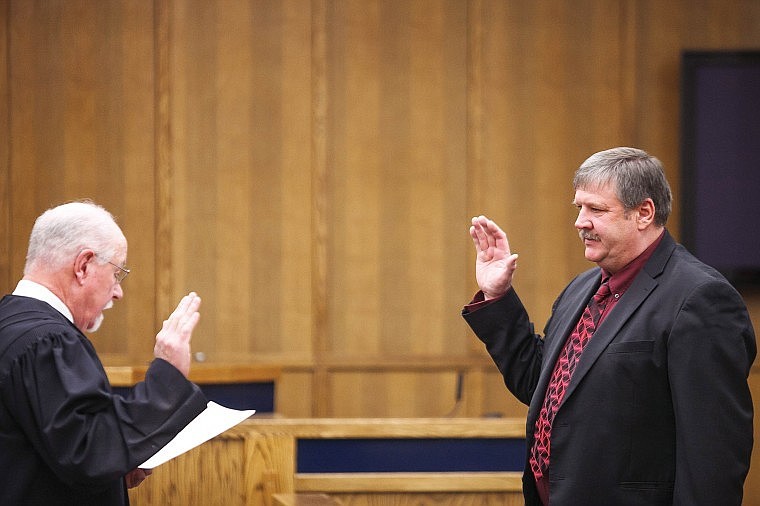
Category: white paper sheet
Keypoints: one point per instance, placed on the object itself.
(214, 420)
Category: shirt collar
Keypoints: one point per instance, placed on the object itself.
(26, 288)
(621, 280)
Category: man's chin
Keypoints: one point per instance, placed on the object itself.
(592, 255)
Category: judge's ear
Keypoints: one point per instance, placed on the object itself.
(645, 214)
(83, 264)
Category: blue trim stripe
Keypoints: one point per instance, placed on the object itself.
(409, 455)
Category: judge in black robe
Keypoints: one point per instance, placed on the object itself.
(65, 438)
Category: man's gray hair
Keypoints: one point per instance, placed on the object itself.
(61, 233)
(635, 176)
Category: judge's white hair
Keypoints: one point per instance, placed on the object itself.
(61, 233)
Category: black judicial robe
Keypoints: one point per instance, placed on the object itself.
(65, 438)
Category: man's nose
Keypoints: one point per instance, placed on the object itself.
(582, 221)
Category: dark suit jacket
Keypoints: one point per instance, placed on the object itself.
(658, 410)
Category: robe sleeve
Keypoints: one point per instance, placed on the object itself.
(86, 435)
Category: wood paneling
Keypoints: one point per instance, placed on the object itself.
(251, 462)
(550, 83)
(310, 166)
(6, 278)
(80, 125)
(240, 118)
(752, 485)
(396, 183)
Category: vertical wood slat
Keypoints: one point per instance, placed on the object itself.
(164, 178)
(6, 276)
(321, 405)
(475, 123)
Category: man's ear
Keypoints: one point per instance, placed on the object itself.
(82, 264)
(645, 214)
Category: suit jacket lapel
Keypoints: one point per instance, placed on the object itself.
(643, 284)
(568, 313)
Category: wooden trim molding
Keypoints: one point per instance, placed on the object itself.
(409, 482)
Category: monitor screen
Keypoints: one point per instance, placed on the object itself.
(720, 160)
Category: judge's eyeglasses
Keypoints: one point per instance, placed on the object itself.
(121, 273)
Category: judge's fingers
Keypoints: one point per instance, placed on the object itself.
(187, 325)
(179, 330)
(186, 314)
(188, 304)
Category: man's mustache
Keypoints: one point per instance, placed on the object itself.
(585, 234)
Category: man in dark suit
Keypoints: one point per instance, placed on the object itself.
(65, 438)
(637, 391)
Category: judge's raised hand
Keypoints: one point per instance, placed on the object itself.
(495, 264)
(173, 340)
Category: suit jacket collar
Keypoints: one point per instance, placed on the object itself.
(574, 301)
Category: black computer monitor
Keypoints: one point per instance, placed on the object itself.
(720, 161)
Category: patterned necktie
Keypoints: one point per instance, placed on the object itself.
(563, 371)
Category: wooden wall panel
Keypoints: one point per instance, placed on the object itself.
(6, 277)
(295, 392)
(396, 187)
(421, 392)
(393, 393)
(310, 166)
(752, 484)
(419, 499)
(240, 116)
(81, 126)
(496, 399)
(549, 83)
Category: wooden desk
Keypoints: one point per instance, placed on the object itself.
(255, 463)
(275, 447)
